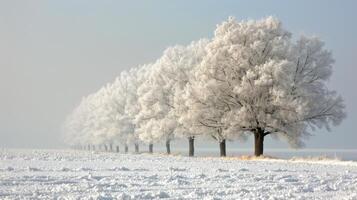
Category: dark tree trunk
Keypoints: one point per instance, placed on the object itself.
(126, 148)
(222, 148)
(105, 147)
(136, 147)
(168, 148)
(93, 147)
(258, 142)
(88, 147)
(111, 147)
(151, 148)
(117, 148)
(191, 146)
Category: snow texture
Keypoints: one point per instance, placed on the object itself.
(60, 174)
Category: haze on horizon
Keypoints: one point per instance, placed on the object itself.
(55, 52)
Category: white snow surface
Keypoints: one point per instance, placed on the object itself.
(70, 174)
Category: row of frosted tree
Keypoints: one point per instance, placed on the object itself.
(252, 78)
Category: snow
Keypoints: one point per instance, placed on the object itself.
(69, 174)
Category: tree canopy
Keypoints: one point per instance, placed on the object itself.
(251, 77)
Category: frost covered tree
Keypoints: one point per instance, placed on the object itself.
(101, 118)
(73, 127)
(108, 116)
(153, 118)
(206, 111)
(207, 107)
(82, 126)
(126, 126)
(134, 78)
(116, 123)
(178, 65)
(158, 95)
(149, 112)
(264, 83)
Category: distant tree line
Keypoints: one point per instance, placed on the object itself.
(251, 78)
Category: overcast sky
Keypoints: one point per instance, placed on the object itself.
(54, 52)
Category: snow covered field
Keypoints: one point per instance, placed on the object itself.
(67, 174)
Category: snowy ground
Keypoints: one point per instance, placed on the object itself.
(54, 174)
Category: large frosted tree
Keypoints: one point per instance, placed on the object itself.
(160, 99)
(134, 78)
(155, 121)
(178, 65)
(117, 125)
(269, 84)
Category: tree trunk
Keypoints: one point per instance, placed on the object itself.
(168, 148)
(117, 148)
(151, 148)
(136, 147)
(222, 148)
(126, 148)
(111, 147)
(191, 147)
(258, 142)
(93, 147)
(105, 147)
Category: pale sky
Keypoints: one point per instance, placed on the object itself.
(54, 52)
